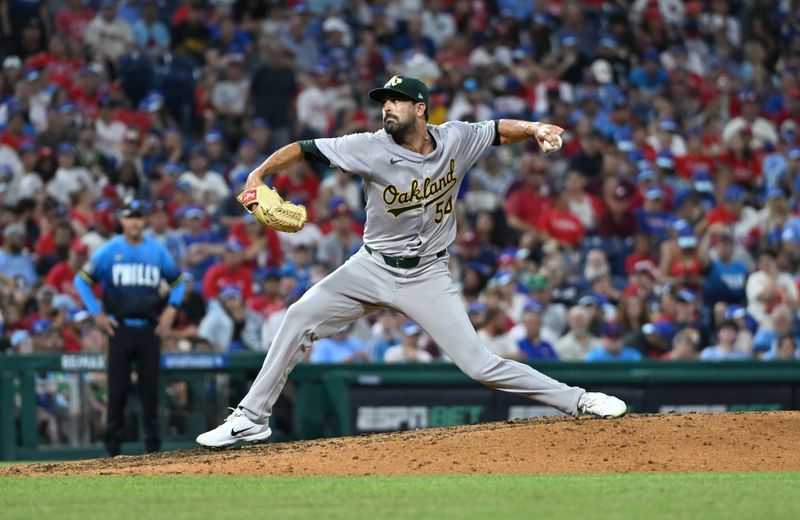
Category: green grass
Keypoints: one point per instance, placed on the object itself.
(705, 496)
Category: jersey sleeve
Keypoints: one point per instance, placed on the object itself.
(169, 271)
(350, 153)
(475, 138)
(93, 269)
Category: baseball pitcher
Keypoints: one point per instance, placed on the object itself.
(412, 172)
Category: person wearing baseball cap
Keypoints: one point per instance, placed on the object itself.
(412, 171)
(406, 87)
(724, 275)
(618, 219)
(134, 315)
(687, 312)
(611, 347)
(231, 271)
(728, 211)
(229, 325)
(652, 218)
(409, 349)
(532, 345)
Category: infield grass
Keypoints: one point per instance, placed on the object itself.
(705, 496)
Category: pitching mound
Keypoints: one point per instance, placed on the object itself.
(686, 442)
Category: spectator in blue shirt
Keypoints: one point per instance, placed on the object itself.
(786, 350)
(300, 265)
(650, 77)
(532, 345)
(724, 277)
(652, 219)
(14, 264)
(612, 348)
(779, 324)
(725, 349)
(339, 348)
(150, 33)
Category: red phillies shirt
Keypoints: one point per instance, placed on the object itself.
(13, 141)
(60, 71)
(640, 259)
(745, 170)
(721, 215)
(72, 343)
(527, 205)
(303, 192)
(219, 276)
(73, 24)
(61, 276)
(355, 226)
(690, 163)
(77, 215)
(563, 226)
(686, 268)
(265, 306)
(45, 245)
(274, 253)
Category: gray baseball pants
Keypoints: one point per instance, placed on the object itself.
(428, 296)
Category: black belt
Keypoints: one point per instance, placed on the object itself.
(403, 263)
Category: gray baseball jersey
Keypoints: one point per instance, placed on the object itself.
(410, 197)
(409, 214)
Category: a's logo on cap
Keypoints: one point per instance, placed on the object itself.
(393, 82)
(419, 95)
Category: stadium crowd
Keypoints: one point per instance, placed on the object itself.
(668, 226)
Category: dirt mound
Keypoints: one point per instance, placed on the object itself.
(679, 442)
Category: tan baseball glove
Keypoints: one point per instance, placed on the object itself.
(268, 208)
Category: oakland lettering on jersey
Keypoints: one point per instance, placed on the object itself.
(430, 192)
(125, 275)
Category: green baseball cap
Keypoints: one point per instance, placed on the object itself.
(535, 282)
(407, 86)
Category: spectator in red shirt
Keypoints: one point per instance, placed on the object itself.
(527, 201)
(299, 184)
(72, 20)
(269, 299)
(53, 245)
(642, 256)
(583, 206)
(741, 160)
(561, 225)
(262, 247)
(683, 267)
(62, 274)
(697, 158)
(56, 63)
(727, 213)
(618, 220)
(231, 271)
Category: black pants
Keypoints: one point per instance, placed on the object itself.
(129, 344)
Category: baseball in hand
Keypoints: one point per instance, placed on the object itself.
(552, 147)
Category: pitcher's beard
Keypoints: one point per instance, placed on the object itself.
(397, 130)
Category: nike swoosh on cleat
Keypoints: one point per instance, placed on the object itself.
(234, 433)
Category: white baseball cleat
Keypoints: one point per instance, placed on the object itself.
(236, 427)
(602, 405)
